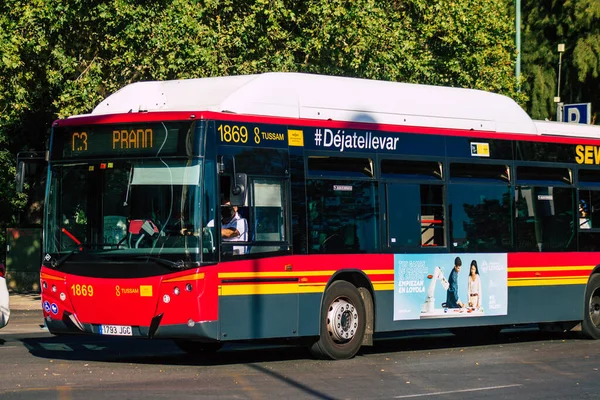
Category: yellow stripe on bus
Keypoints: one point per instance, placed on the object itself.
(194, 277)
(379, 271)
(380, 286)
(276, 274)
(295, 288)
(43, 275)
(281, 274)
(285, 288)
(273, 288)
(546, 281)
(294, 274)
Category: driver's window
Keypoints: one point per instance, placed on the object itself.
(233, 215)
(268, 231)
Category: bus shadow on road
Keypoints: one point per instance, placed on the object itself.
(147, 351)
(446, 340)
(166, 352)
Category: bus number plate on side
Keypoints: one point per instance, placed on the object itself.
(115, 330)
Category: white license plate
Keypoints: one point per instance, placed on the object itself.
(115, 330)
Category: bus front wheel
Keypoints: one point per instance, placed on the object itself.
(590, 325)
(343, 322)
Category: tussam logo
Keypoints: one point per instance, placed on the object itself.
(124, 290)
(355, 140)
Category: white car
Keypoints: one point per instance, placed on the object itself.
(4, 298)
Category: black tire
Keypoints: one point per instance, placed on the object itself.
(590, 326)
(192, 347)
(341, 340)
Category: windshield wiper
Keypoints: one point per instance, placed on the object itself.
(54, 263)
(177, 266)
(73, 238)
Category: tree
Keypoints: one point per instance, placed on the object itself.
(63, 57)
(577, 25)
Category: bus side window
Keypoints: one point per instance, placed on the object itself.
(545, 209)
(268, 227)
(589, 219)
(588, 208)
(343, 216)
(415, 215)
(480, 207)
(415, 209)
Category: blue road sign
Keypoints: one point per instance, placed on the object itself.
(578, 113)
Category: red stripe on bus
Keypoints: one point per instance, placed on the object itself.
(570, 259)
(156, 116)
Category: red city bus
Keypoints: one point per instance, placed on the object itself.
(325, 210)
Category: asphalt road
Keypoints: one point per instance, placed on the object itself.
(524, 364)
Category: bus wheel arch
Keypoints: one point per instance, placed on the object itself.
(344, 322)
(590, 325)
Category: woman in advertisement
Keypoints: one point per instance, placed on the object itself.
(474, 299)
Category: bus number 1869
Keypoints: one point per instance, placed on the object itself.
(233, 133)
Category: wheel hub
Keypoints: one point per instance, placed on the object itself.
(342, 320)
(595, 310)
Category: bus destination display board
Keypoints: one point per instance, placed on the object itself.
(117, 140)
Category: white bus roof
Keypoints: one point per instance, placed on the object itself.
(567, 129)
(320, 97)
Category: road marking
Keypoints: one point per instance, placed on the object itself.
(456, 391)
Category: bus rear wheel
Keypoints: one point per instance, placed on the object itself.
(343, 322)
(590, 325)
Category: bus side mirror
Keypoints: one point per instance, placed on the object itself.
(239, 189)
(20, 178)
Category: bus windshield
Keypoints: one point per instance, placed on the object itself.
(129, 207)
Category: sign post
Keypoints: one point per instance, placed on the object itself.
(580, 113)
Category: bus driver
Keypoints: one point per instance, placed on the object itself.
(234, 228)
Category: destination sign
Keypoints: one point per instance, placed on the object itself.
(118, 140)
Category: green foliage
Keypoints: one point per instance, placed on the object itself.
(576, 23)
(66, 56)
(62, 57)
(9, 200)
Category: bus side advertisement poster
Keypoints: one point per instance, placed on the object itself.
(455, 285)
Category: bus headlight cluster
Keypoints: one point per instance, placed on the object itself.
(177, 291)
